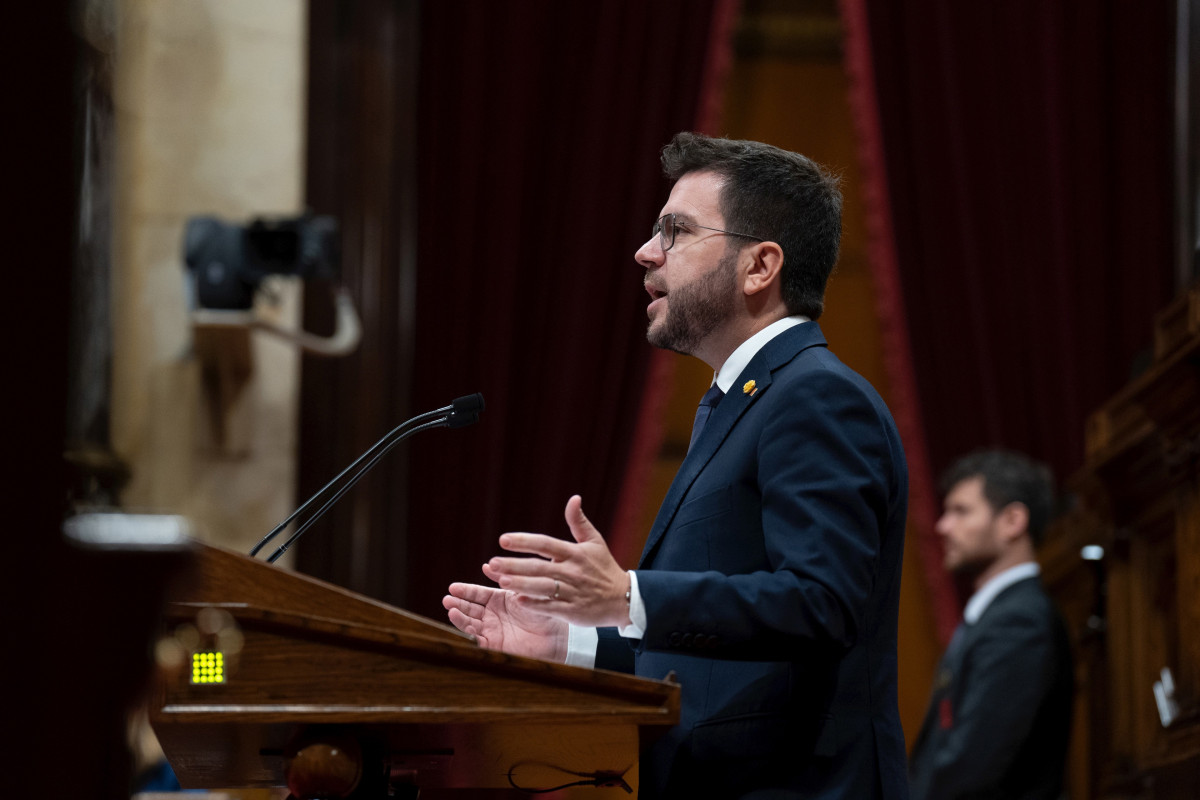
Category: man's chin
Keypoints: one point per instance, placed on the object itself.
(656, 334)
(664, 341)
(964, 568)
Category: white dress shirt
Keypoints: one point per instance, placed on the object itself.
(984, 596)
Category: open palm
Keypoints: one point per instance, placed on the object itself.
(498, 622)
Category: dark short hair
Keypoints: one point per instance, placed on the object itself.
(1008, 477)
(778, 196)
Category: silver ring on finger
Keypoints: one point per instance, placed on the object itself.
(556, 588)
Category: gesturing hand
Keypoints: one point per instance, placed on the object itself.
(500, 623)
(579, 581)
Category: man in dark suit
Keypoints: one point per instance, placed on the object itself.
(1000, 714)
(769, 583)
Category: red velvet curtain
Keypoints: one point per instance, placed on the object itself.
(537, 131)
(1026, 187)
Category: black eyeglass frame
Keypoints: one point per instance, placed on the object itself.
(660, 230)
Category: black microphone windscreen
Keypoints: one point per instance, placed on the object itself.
(466, 411)
(470, 404)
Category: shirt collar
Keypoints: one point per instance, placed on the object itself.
(987, 593)
(745, 351)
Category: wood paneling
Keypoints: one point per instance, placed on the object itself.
(1137, 612)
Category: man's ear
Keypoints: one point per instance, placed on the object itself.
(1013, 521)
(765, 268)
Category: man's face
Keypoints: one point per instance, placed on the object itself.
(693, 286)
(968, 527)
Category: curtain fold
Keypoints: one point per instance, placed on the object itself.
(626, 539)
(1026, 159)
(903, 394)
(539, 133)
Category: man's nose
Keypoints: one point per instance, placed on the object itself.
(650, 254)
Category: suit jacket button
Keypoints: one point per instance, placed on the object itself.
(674, 639)
(687, 640)
(711, 642)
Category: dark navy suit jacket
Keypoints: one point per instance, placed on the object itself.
(771, 580)
(1000, 714)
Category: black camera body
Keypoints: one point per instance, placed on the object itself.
(230, 261)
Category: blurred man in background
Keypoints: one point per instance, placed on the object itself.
(1000, 712)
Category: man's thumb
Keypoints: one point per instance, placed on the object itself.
(577, 521)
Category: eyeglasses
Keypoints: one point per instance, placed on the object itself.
(665, 227)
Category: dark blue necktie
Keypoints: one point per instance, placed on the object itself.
(707, 404)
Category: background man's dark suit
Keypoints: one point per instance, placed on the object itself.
(1000, 711)
(771, 580)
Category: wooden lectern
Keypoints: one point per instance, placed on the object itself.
(281, 665)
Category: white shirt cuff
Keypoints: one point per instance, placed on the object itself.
(582, 642)
(637, 611)
(581, 646)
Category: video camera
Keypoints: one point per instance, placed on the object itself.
(230, 261)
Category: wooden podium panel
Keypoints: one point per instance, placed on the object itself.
(302, 658)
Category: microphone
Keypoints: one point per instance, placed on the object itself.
(461, 412)
(465, 410)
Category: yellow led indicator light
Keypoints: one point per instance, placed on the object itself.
(208, 668)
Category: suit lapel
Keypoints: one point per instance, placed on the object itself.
(742, 394)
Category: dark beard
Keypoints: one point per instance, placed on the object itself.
(697, 309)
